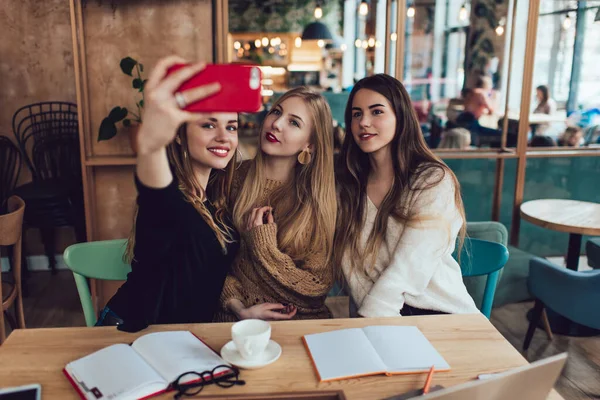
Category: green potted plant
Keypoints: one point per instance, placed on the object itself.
(129, 119)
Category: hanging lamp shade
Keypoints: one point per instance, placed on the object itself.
(316, 31)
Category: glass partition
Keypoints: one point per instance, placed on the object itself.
(566, 76)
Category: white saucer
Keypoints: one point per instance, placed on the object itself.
(230, 353)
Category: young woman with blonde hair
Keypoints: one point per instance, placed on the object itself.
(400, 210)
(183, 243)
(285, 207)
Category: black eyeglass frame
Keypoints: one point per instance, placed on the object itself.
(227, 379)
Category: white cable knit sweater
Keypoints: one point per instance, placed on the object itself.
(414, 264)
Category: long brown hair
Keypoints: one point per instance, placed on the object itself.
(308, 221)
(415, 166)
(543, 89)
(217, 191)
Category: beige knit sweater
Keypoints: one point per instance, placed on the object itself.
(262, 273)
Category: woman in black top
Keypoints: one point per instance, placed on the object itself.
(182, 245)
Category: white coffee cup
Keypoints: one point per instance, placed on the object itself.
(251, 337)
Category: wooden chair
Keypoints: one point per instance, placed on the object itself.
(10, 235)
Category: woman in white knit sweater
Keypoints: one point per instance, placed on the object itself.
(399, 211)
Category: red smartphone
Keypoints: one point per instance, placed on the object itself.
(240, 88)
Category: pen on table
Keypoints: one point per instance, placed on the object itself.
(428, 380)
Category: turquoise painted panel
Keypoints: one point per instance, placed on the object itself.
(477, 178)
(576, 178)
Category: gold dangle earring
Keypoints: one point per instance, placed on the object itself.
(304, 157)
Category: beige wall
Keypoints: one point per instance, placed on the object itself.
(36, 64)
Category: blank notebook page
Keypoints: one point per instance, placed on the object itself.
(343, 354)
(404, 349)
(117, 370)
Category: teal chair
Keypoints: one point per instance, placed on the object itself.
(571, 294)
(96, 260)
(481, 257)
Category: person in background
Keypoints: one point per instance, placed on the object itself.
(338, 137)
(546, 105)
(477, 102)
(572, 137)
(182, 242)
(455, 138)
(285, 209)
(400, 212)
(542, 141)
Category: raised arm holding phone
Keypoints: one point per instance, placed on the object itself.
(182, 243)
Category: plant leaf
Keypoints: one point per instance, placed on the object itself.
(126, 122)
(143, 85)
(107, 130)
(142, 103)
(127, 65)
(117, 114)
(137, 83)
(141, 67)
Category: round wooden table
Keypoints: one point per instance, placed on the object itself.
(574, 217)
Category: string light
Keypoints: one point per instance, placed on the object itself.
(257, 43)
(237, 45)
(363, 9)
(463, 14)
(393, 36)
(298, 42)
(500, 27)
(410, 13)
(567, 22)
(357, 43)
(318, 11)
(320, 43)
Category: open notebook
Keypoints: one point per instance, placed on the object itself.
(144, 369)
(372, 350)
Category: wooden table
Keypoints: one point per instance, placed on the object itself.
(574, 217)
(469, 343)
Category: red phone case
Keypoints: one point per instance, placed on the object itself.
(240, 88)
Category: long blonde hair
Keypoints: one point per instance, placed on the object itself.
(217, 192)
(416, 168)
(308, 220)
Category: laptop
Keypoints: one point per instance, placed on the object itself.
(532, 382)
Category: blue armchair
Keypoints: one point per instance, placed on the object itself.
(572, 294)
(592, 249)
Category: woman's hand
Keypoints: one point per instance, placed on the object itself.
(162, 115)
(265, 311)
(268, 311)
(260, 216)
